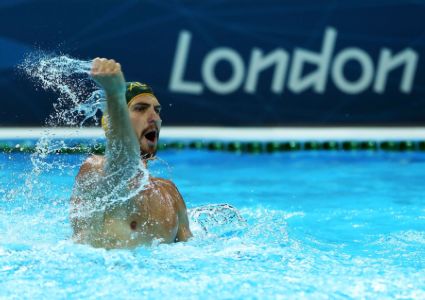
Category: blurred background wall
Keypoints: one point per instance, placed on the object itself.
(232, 63)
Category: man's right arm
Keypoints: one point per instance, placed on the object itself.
(122, 148)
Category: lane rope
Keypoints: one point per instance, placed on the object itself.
(238, 147)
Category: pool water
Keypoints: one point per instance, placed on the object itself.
(317, 225)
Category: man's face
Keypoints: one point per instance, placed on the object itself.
(144, 113)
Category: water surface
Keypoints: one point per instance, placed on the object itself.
(319, 225)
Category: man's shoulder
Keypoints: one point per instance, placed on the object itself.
(93, 163)
(170, 188)
(163, 182)
(166, 185)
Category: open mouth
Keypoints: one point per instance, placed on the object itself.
(151, 136)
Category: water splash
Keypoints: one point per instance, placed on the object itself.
(79, 97)
(79, 100)
(93, 104)
(217, 219)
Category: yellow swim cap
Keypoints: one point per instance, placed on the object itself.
(133, 89)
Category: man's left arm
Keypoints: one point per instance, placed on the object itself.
(183, 231)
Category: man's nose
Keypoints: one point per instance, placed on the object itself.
(154, 117)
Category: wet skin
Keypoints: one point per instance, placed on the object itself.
(158, 211)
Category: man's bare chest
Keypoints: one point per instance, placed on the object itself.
(149, 215)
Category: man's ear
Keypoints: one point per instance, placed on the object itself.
(104, 122)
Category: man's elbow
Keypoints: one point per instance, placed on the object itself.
(183, 235)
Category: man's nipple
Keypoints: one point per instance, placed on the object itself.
(133, 225)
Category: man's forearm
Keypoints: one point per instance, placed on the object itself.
(122, 144)
(123, 149)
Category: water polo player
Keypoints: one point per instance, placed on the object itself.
(114, 203)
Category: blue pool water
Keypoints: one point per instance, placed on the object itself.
(318, 225)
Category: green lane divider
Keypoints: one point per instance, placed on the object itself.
(196, 145)
(235, 147)
(215, 146)
(331, 145)
(391, 145)
(240, 147)
(370, 145)
(350, 145)
(176, 145)
(312, 145)
(273, 147)
(254, 147)
(291, 146)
